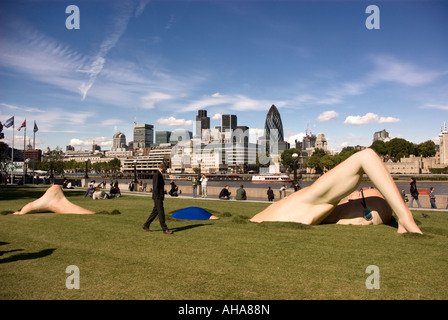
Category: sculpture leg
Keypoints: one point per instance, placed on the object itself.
(53, 201)
(313, 204)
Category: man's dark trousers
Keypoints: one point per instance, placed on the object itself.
(158, 210)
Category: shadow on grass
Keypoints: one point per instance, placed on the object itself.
(285, 225)
(27, 256)
(192, 226)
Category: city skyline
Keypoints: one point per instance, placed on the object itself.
(159, 62)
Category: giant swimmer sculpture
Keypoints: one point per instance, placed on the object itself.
(323, 202)
(53, 200)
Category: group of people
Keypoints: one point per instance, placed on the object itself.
(140, 187)
(415, 194)
(203, 184)
(97, 192)
(282, 191)
(240, 193)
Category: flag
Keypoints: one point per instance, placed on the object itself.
(9, 122)
(22, 126)
(35, 127)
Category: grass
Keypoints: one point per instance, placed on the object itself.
(229, 258)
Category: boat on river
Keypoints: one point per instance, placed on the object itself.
(271, 178)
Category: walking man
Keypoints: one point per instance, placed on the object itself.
(158, 195)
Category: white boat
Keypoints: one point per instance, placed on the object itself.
(271, 178)
(173, 177)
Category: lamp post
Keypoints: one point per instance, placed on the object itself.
(51, 173)
(199, 178)
(294, 157)
(86, 176)
(135, 171)
(25, 170)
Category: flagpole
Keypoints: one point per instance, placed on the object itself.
(34, 146)
(12, 152)
(24, 155)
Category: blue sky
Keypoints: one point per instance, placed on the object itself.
(161, 61)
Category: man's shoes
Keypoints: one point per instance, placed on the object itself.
(146, 228)
(167, 231)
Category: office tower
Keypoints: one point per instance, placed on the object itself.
(202, 122)
(228, 122)
(162, 137)
(143, 135)
(273, 127)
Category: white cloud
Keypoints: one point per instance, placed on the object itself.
(369, 118)
(237, 102)
(150, 100)
(111, 122)
(101, 141)
(434, 106)
(217, 95)
(392, 70)
(254, 134)
(298, 136)
(388, 120)
(216, 116)
(171, 121)
(118, 28)
(327, 115)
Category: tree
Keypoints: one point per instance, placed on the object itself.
(315, 160)
(286, 158)
(426, 149)
(379, 147)
(399, 146)
(327, 162)
(114, 165)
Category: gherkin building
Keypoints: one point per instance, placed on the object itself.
(273, 127)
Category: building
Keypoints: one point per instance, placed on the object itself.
(382, 135)
(273, 137)
(411, 165)
(119, 142)
(309, 142)
(273, 126)
(162, 137)
(143, 136)
(180, 135)
(202, 123)
(146, 165)
(35, 155)
(321, 142)
(228, 122)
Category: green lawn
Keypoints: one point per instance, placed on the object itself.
(229, 258)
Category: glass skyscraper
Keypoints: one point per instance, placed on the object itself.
(273, 127)
(143, 135)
